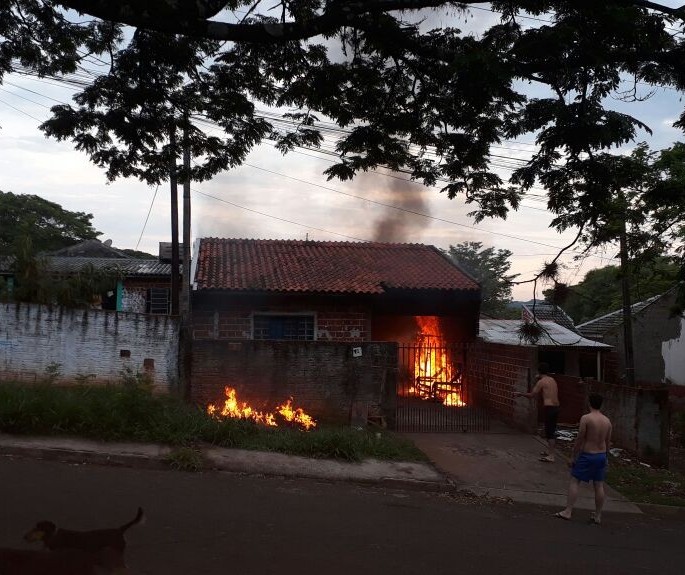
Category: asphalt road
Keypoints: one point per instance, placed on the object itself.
(221, 523)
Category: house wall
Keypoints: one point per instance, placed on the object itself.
(659, 345)
(673, 353)
(494, 372)
(334, 323)
(34, 339)
(327, 379)
(343, 321)
(134, 293)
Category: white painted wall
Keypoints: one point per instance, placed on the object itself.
(673, 352)
(84, 342)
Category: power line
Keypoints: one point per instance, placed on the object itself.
(148, 216)
(277, 217)
(21, 111)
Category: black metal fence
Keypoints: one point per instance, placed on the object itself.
(432, 393)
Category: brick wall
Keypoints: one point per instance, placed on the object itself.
(324, 378)
(572, 398)
(333, 323)
(494, 372)
(86, 343)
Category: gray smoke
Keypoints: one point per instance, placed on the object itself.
(398, 224)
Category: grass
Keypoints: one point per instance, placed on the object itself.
(648, 485)
(131, 412)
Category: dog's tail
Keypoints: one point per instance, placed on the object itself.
(139, 518)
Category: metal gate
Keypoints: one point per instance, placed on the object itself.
(432, 391)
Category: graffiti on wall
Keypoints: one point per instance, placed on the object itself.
(133, 300)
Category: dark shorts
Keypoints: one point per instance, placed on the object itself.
(551, 417)
(590, 467)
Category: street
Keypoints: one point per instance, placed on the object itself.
(214, 522)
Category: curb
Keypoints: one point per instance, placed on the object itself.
(662, 510)
(159, 463)
(82, 457)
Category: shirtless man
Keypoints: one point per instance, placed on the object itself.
(590, 458)
(547, 386)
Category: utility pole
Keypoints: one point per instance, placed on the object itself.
(173, 181)
(186, 328)
(625, 289)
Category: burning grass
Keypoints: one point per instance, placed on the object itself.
(133, 413)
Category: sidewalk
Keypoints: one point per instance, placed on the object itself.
(499, 465)
(404, 475)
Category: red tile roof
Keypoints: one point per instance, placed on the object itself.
(328, 267)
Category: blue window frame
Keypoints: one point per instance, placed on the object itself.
(285, 326)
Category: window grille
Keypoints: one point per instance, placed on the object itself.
(290, 327)
(158, 301)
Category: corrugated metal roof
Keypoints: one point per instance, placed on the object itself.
(328, 267)
(543, 311)
(128, 267)
(506, 331)
(596, 328)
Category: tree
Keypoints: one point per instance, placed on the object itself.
(34, 282)
(491, 268)
(599, 292)
(49, 226)
(429, 102)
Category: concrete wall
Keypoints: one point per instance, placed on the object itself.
(673, 353)
(640, 418)
(79, 344)
(328, 380)
(659, 344)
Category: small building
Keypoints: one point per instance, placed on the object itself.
(503, 362)
(658, 336)
(137, 285)
(336, 325)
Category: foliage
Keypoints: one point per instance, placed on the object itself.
(48, 225)
(52, 372)
(35, 282)
(491, 268)
(647, 485)
(431, 102)
(186, 458)
(599, 292)
(133, 413)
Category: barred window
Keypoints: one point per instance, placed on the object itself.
(291, 327)
(158, 301)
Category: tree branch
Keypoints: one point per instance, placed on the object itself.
(191, 23)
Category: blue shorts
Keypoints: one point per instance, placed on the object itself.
(590, 467)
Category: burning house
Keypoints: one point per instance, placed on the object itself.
(347, 331)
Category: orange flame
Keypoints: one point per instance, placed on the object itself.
(434, 375)
(232, 409)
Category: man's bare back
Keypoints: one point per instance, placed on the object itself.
(594, 433)
(547, 386)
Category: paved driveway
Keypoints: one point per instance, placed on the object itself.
(505, 463)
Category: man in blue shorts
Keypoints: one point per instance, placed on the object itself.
(590, 458)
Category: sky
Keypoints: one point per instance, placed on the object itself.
(272, 196)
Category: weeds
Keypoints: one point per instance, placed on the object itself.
(131, 412)
(186, 459)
